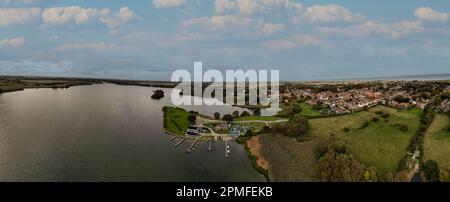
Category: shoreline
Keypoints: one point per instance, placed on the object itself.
(252, 147)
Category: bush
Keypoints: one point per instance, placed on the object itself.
(385, 115)
(376, 119)
(346, 129)
(403, 127)
(245, 113)
(431, 171)
(217, 115)
(365, 125)
(235, 114)
(228, 118)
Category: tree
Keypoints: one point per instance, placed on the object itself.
(216, 115)
(297, 127)
(371, 175)
(444, 176)
(192, 119)
(228, 118)
(431, 170)
(236, 113)
(245, 113)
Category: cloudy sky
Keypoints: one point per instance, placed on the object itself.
(149, 39)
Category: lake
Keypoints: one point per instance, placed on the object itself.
(104, 132)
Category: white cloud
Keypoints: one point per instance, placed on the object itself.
(235, 24)
(72, 14)
(220, 22)
(10, 16)
(86, 46)
(328, 13)
(168, 3)
(368, 28)
(298, 40)
(279, 44)
(428, 14)
(270, 28)
(13, 42)
(250, 7)
(21, 2)
(53, 38)
(80, 15)
(121, 18)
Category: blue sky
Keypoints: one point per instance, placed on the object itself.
(149, 39)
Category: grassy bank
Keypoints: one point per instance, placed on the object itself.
(437, 141)
(176, 120)
(375, 141)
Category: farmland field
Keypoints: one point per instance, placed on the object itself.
(437, 141)
(376, 141)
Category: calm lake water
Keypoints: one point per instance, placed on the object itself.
(104, 133)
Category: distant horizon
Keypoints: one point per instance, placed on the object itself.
(421, 77)
(149, 39)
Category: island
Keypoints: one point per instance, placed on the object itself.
(158, 94)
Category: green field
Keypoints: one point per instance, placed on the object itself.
(175, 120)
(381, 144)
(437, 141)
(307, 110)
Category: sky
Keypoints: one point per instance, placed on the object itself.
(149, 39)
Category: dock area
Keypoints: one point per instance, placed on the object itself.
(181, 141)
(193, 146)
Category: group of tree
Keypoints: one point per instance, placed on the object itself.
(337, 164)
(291, 109)
(192, 119)
(233, 115)
(297, 127)
(401, 99)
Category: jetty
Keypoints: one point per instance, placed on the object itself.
(210, 148)
(193, 146)
(181, 141)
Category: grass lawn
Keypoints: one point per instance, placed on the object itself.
(307, 110)
(258, 118)
(175, 120)
(255, 127)
(381, 144)
(437, 141)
